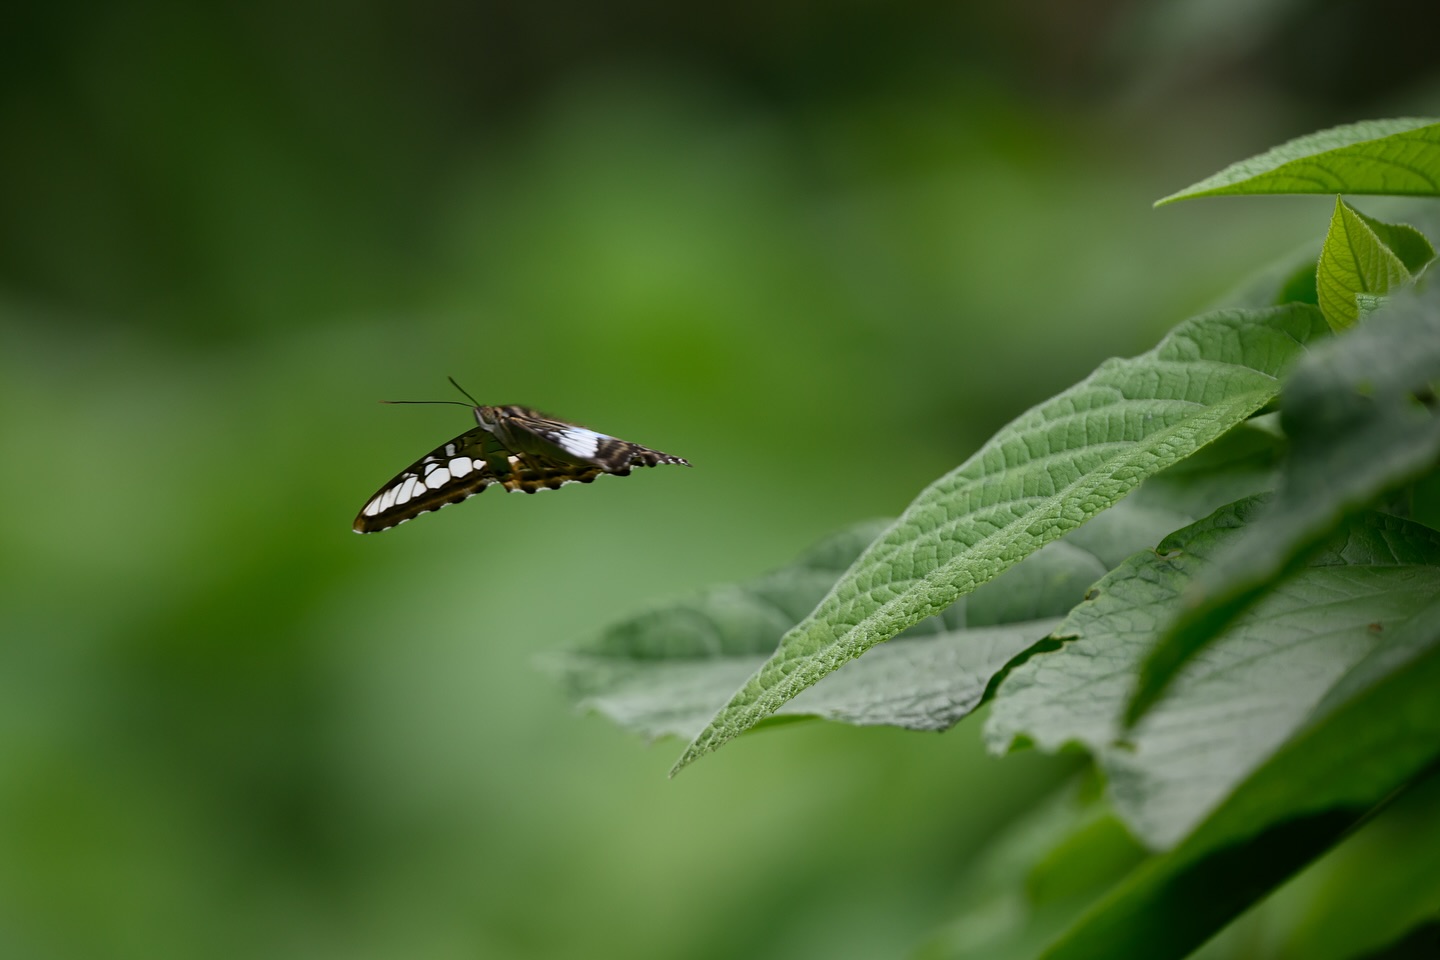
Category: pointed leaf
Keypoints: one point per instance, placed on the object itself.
(1397, 157)
(1045, 474)
(1354, 261)
(1357, 432)
(667, 671)
(1233, 708)
(1410, 246)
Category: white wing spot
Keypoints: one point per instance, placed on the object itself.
(449, 449)
(387, 500)
(437, 478)
(461, 466)
(579, 442)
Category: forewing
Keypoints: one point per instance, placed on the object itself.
(610, 454)
(448, 474)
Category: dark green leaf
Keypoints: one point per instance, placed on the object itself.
(1357, 432)
(1233, 708)
(1351, 757)
(1036, 878)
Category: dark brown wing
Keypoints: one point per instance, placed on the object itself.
(448, 474)
(611, 454)
(460, 469)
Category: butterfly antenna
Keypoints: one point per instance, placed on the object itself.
(455, 402)
(463, 392)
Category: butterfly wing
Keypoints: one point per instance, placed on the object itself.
(610, 454)
(448, 474)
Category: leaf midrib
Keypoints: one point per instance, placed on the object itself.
(940, 573)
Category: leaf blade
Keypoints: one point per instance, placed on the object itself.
(1368, 741)
(1045, 474)
(1353, 261)
(1287, 660)
(1398, 157)
(1355, 433)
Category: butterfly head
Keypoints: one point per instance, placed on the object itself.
(486, 417)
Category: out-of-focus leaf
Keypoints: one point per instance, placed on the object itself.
(1356, 432)
(1354, 261)
(1372, 890)
(1045, 474)
(1352, 755)
(1421, 943)
(1234, 707)
(1036, 878)
(1398, 157)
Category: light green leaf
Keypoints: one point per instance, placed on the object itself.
(1042, 476)
(1356, 432)
(1354, 261)
(1398, 157)
(1410, 246)
(1375, 735)
(666, 671)
(1232, 709)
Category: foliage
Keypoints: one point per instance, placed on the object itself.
(1233, 611)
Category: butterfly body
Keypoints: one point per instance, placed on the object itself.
(515, 447)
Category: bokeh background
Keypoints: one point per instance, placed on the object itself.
(821, 250)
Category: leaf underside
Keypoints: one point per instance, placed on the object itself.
(1231, 709)
(1042, 476)
(1356, 432)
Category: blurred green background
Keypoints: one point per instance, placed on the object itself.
(821, 250)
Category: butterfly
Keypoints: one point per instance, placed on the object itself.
(516, 447)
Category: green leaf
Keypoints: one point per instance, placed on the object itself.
(1409, 245)
(666, 671)
(1356, 432)
(1034, 879)
(1398, 157)
(1360, 748)
(1373, 889)
(1042, 476)
(1256, 686)
(1354, 261)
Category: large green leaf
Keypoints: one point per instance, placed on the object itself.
(1232, 709)
(1042, 476)
(1377, 733)
(1358, 259)
(1396, 157)
(667, 670)
(1356, 431)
